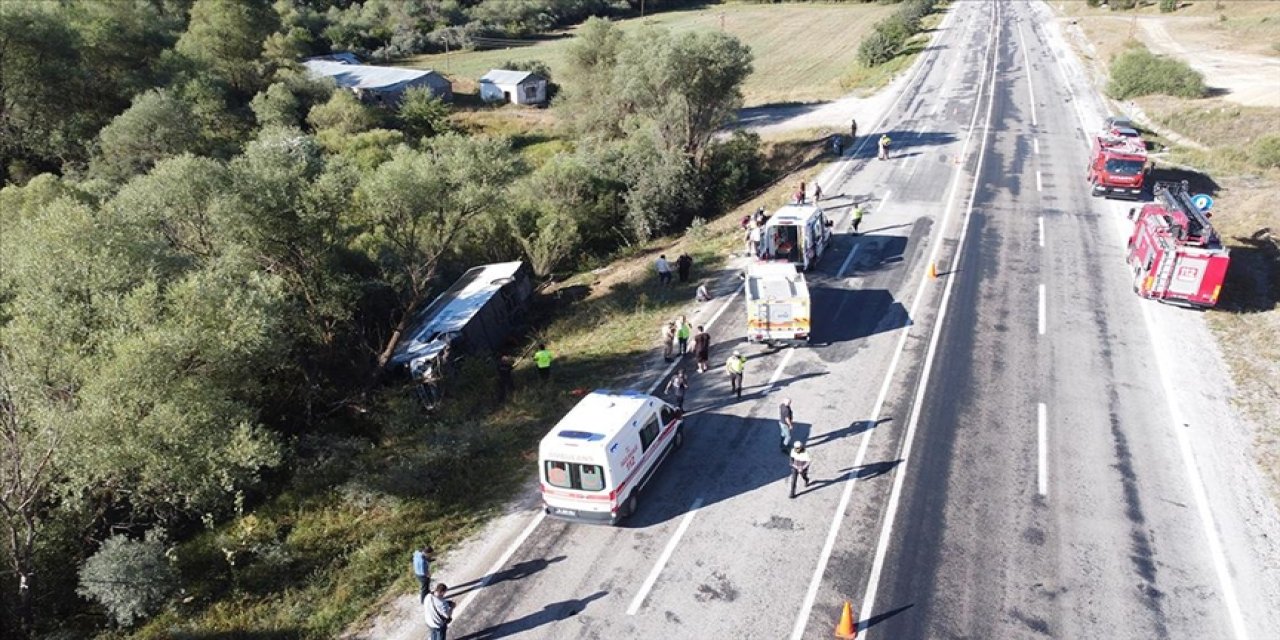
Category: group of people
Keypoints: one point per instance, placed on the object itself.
(678, 340)
(437, 610)
(837, 144)
(684, 264)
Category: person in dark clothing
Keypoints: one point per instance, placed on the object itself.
(853, 129)
(785, 424)
(677, 387)
(683, 264)
(702, 349)
(800, 462)
(506, 382)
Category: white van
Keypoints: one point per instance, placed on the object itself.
(594, 462)
(796, 233)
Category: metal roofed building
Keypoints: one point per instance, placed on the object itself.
(516, 87)
(379, 85)
(475, 314)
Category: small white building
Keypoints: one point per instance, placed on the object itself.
(379, 85)
(516, 87)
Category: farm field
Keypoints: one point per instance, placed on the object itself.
(802, 51)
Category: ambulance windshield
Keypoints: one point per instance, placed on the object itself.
(574, 475)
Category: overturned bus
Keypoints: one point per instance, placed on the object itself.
(475, 315)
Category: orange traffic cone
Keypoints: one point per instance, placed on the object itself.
(846, 630)
(933, 270)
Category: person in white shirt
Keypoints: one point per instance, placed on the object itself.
(438, 612)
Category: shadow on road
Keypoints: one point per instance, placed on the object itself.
(553, 612)
(855, 428)
(515, 572)
(863, 625)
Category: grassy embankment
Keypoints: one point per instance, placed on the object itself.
(1248, 321)
(803, 52)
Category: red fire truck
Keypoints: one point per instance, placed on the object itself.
(1175, 254)
(1118, 166)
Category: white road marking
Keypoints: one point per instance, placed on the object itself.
(815, 582)
(1039, 182)
(900, 473)
(1041, 220)
(662, 560)
(777, 373)
(1040, 306)
(675, 363)
(1042, 476)
(497, 566)
(1193, 478)
(1035, 143)
(1026, 61)
(847, 261)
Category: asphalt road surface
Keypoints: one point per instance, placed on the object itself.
(999, 452)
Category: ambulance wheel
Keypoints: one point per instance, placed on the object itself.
(678, 441)
(629, 507)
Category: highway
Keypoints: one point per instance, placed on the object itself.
(1000, 452)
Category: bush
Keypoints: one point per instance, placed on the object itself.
(1093, 3)
(422, 114)
(877, 49)
(1168, 6)
(1265, 152)
(1122, 5)
(130, 578)
(1138, 72)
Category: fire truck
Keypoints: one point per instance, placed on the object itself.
(1175, 254)
(1118, 166)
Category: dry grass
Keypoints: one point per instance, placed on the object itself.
(1246, 26)
(802, 51)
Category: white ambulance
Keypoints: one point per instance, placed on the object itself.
(594, 462)
(796, 233)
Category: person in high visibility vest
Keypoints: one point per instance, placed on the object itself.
(884, 146)
(857, 217)
(735, 366)
(542, 357)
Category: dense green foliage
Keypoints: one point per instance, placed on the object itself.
(207, 256)
(892, 33)
(1265, 151)
(1138, 72)
(1169, 6)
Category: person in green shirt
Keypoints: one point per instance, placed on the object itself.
(857, 217)
(542, 357)
(735, 366)
(683, 331)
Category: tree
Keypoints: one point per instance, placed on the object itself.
(343, 114)
(227, 37)
(157, 126)
(422, 114)
(130, 578)
(414, 206)
(28, 442)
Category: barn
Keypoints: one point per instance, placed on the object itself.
(516, 87)
(379, 85)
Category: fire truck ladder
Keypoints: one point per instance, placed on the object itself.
(1175, 197)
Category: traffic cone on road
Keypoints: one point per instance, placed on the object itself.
(933, 270)
(846, 630)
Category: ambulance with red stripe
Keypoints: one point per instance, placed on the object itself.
(596, 460)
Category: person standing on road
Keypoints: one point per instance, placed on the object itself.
(801, 193)
(683, 264)
(701, 349)
(884, 146)
(800, 462)
(785, 423)
(857, 217)
(735, 366)
(753, 241)
(683, 330)
(677, 386)
(543, 357)
(853, 130)
(438, 612)
(837, 145)
(817, 193)
(422, 571)
(668, 340)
